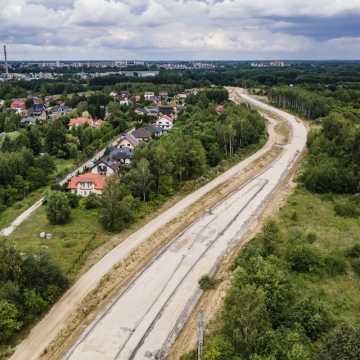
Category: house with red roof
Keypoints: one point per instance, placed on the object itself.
(18, 105)
(82, 121)
(86, 184)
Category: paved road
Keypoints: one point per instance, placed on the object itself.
(143, 320)
(47, 329)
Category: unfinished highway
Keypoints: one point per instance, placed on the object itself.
(144, 319)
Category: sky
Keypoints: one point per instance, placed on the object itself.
(180, 29)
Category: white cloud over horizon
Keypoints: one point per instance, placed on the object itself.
(180, 29)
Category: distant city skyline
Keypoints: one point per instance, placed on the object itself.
(180, 29)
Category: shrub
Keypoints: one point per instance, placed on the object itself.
(73, 200)
(343, 343)
(311, 238)
(354, 252)
(9, 323)
(356, 266)
(335, 265)
(312, 315)
(305, 259)
(91, 202)
(347, 209)
(206, 283)
(57, 208)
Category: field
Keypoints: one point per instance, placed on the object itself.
(307, 213)
(71, 243)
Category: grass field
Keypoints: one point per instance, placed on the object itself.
(71, 243)
(308, 213)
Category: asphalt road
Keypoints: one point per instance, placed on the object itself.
(47, 329)
(143, 320)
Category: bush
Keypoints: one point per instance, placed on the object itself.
(347, 209)
(311, 238)
(305, 259)
(313, 317)
(206, 283)
(356, 266)
(335, 265)
(9, 323)
(354, 252)
(91, 202)
(73, 200)
(341, 344)
(57, 208)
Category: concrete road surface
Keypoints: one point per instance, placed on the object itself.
(144, 319)
(47, 329)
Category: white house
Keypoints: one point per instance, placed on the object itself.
(149, 96)
(86, 184)
(165, 122)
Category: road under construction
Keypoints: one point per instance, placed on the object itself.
(143, 320)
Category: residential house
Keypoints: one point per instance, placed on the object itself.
(86, 184)
(152, 111)
(155, 130)
(82, 121)
(122, 156)
(105, 167)
(165, 122)
(113, 160)
(128, 141)
(124, 94)
(167, 110)
(60, 110)
(18, 105)
(37, 110)
(142, 134)
(163, 95)
(149, 96)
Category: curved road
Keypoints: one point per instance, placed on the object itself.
(164, 283)
(143, 320)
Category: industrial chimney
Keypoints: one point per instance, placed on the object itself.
(6, 63)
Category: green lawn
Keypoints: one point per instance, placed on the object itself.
(71, 243)
(64, 164)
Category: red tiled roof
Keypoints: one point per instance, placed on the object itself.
(98, 180)
(18, 104)
(166, 117)
(80, 121)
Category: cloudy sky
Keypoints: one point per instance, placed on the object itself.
(180, 29)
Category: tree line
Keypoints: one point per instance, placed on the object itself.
(29, 283)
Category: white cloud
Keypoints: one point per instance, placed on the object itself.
(170, 28)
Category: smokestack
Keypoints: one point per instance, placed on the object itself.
(6, 63)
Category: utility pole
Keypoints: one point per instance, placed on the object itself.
(6, 63)
(200, 334)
